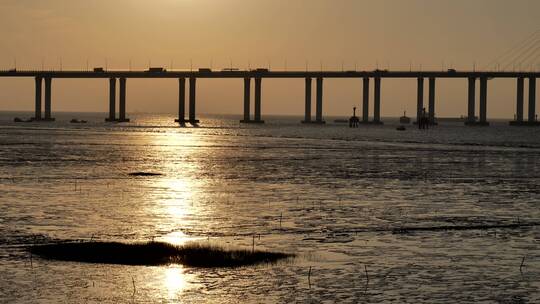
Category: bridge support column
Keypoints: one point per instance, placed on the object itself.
(318, 110)
(258, 93)
(307, 112)
(37, 112)
(377, 101)
(48, 83)
(483, 102)
(192, 92)
(471, 119)
(365, 101)
(181, 101)
(122, 108)
(419, 99)
(112, 100)
(247, 100)
(532, 102)
(519, 99)
(518, 119)
(432, 101)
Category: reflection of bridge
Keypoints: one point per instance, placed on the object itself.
(259, 74)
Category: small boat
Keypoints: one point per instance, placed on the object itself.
(74, 120)
(17, 119)
(401, 128)
(404, 119)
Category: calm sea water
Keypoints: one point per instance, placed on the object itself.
(331, 194)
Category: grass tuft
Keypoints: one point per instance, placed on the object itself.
(155, 253)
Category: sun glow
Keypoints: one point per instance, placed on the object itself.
(176, 238)
(175, 280)
(177, 191)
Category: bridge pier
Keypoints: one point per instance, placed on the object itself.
(518, 120)
(122, 107)
(519, 99)
(307, 112)
(471, 119)
(48, 84)
(37, 112)
(377, 101)
(365, 101)
(192, 92)
(112, 100)
(533, 120)
(181, 101)
(247, 100)
(483, 102)
(419, 99)
(258, 93)
(318, 109)
(431, 97)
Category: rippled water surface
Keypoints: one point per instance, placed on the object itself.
(333, 195)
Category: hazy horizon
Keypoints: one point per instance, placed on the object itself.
(345, 115)
(427, 35)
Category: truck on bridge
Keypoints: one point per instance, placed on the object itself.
(156, 70)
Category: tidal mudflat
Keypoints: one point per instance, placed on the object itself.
(372, 214)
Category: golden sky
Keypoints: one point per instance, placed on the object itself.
(394, 34)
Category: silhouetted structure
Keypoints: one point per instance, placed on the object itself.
(247, 102)
(405, 119)
(260, 74)
(532, 117)
(354, 120)
(423, 122)
(48, 84)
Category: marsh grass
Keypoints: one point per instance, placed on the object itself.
(155, 253)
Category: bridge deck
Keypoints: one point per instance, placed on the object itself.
(264, 74)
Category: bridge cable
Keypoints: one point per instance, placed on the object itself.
(537, 61)
(527, 59)
(534, 58)
(511, 51)
(520, 54)
(526, 54)
(519, 49)
(523, 53)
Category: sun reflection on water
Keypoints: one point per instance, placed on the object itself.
(179, 188)
(175, 281)
(177, 197)
(176, 238)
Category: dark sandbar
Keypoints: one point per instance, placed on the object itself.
(155, 253)
(144, 174)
